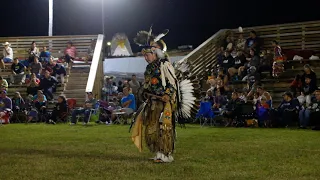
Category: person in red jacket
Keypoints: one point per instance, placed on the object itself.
(296, 85)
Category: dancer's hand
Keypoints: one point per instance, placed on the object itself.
(165, 98)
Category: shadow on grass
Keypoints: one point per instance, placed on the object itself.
(70, 155)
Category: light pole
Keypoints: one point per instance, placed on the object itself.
(102, 16)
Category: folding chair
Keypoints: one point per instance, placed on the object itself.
(247, 113)
(205, 113)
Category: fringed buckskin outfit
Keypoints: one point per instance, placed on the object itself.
(157, 116)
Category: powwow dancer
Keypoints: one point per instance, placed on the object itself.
(165, 99)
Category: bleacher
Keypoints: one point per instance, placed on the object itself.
(56, 45)
(295, 39)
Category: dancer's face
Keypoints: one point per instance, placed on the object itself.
(150, 57)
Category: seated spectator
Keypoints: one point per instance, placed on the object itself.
(233, 108)
(252, 76)
(307, 90)
(47, 66)
(17, 69)
(70, 53)
(134, 85)
(218, 101)
(33, 52)
(60, 110)
(209, 96)
(312, 110)
(35, 67)
(48, 83)
(278, 60)
(45, 55)
(253, 42)
(3, 84)
(241, 43)
(296, 85)
(86, 110)
(263, 111)
(32, 84)
(288, 109)
(7, 53)
(263, 93)
(5, 107)
(17, 102)
(39, 93)
(212, 80)
(128, 101)
(41, 105)
(220, 84)
(59, 71)
(311, 74)
(266, 59)
(239, 61)
(120, 87)
(253, 61)
(227, 62)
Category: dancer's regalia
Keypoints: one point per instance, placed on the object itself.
(166, 100)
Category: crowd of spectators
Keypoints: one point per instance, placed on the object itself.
(40, 74)
(244, 61)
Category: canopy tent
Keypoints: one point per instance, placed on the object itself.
(125, 67)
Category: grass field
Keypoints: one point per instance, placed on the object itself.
(39, 151)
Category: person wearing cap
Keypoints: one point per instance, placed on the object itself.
(89, 104)
(288, 109)
(5, 107)
(45, 55)
(7, 53)
(18, 69)
(59, 71)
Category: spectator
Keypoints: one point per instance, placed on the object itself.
(263, 93)
(128, 101)
(5, 107)
(120, 87)
(39, 93)
(288, 109)
(7, 53)
(59, 110)
(212, 80)
(17, 72)
(233, 108)
(45, 55)
(17, 102)
(33, 52)
(307, 90)
(254, 61)
(241, 43)
(86, 110)
(32, 84)
(70, 52)
(278, 60)
(227, 62)
(3, 84)
(218, 101)
(312, 75)
(252, 76)
(253, 43)
(47, 66)
(314, 109)
(296, 85)
(134, 85)
(41, 105)
(35, 67)
(48, 84)
(59, 71)
(263, 108)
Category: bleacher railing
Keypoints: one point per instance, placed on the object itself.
(95, 79)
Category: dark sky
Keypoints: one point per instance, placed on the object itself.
(189, 21)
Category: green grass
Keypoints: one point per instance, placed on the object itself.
(39, 151)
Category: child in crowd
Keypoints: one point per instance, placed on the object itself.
(262, 111)
(296, 85)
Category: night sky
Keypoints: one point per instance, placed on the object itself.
(189, 21)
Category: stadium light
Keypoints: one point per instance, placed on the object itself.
(109, 43)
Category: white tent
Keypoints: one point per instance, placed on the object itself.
(125, 67)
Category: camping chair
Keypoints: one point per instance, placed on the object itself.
(71, 106)
(246, 113)
(205, 113)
